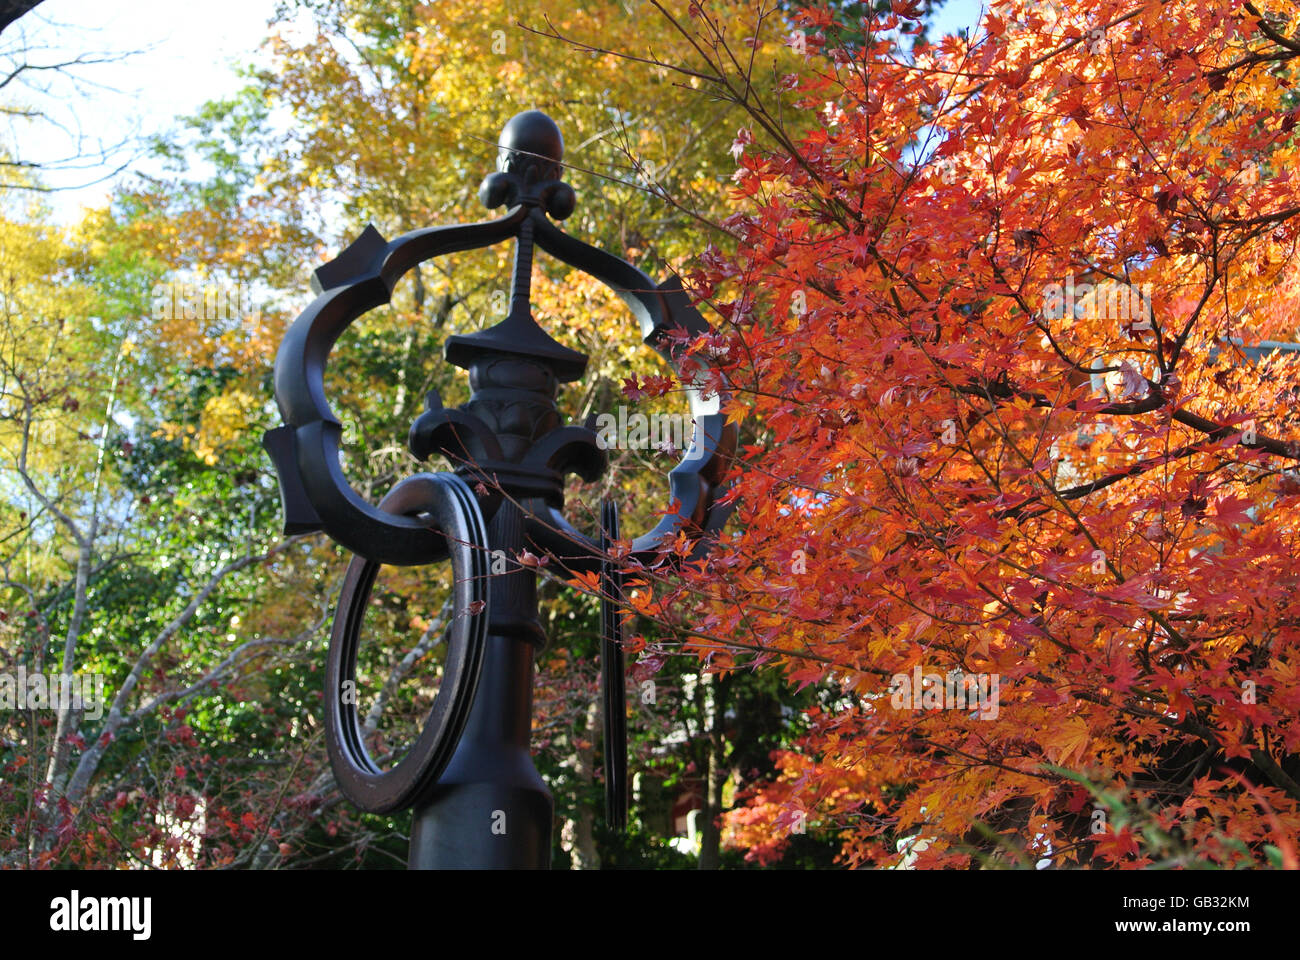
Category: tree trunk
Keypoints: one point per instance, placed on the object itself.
(578, 834)
(715, 774)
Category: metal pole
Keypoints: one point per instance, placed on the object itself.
(491, 808)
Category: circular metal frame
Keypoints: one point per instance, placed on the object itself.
(454, 514)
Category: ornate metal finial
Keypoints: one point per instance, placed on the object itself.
(528, 176)
(530, 149)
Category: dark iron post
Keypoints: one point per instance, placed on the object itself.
(478, 799)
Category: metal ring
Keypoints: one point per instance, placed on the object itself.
(455, 514)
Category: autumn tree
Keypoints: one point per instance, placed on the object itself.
(376, 112)
(990, 299)
(990, 311)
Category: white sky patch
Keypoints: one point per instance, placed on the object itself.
(178, 56)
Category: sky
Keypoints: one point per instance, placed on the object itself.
(956, 15)
(172, 57)
(168, 59)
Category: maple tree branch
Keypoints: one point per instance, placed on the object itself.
(1051, 54)
(1268, 30)
(604, 51)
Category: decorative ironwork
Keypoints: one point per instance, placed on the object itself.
(511, 451)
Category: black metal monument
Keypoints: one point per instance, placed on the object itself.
(477, 797)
